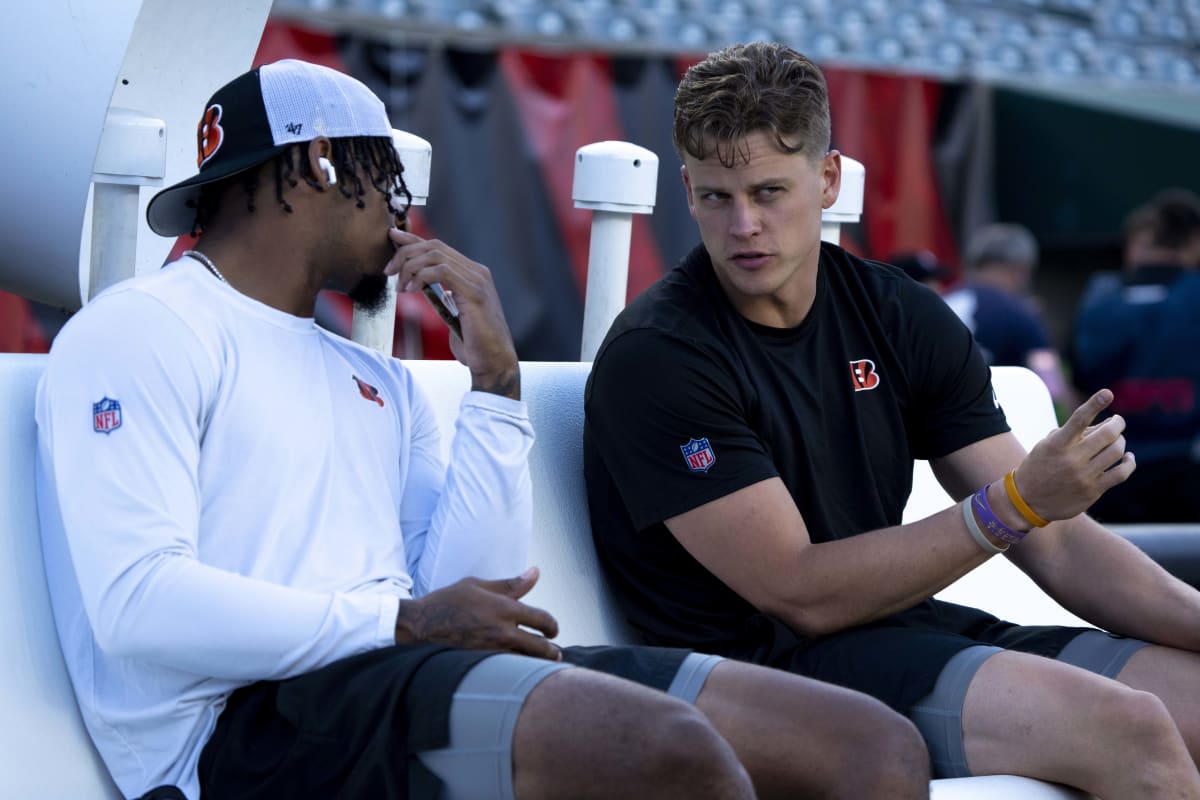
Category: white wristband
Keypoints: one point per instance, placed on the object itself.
(976, 533)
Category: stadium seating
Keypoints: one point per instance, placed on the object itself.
(1114, 44)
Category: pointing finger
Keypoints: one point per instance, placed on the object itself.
(1082, 417)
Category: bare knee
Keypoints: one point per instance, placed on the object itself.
(1147, 735)
(896, 763)
(686, 747)
(902, 759)
(1141, 720)
(800, 737)
(1026, 715)
(586, 735)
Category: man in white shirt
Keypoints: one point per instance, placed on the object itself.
(266, 582)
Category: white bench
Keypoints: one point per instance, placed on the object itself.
(45, 751)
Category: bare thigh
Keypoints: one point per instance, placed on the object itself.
(584, 734)
(802, 737)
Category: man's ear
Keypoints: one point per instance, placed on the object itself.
(320, 154)
(831, 178)
(687, 190)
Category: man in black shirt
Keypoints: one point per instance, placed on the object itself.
(752, 421)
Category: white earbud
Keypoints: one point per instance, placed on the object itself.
(327, 168)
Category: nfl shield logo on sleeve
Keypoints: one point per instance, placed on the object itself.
(106, 415)
(698, 454)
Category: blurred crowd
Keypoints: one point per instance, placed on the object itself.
(1136, 331)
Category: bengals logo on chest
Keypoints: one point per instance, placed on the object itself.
(863, 376)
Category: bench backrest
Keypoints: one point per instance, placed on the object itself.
(45, 751)
(570, 586)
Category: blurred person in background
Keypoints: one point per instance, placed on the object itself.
(1137, 234)
(1142, 339)
(923, 267)
(994, 303)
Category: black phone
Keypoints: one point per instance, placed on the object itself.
(443, 303)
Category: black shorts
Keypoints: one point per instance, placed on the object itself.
(898, 659)
(655, 667)
(352, 729)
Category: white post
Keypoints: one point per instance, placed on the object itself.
(132, 153)
(114, 235)
(607, 277)
(378, 330)
(849, 205)
(615, 180)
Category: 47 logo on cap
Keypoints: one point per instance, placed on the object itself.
(106, 415)
(698, 454)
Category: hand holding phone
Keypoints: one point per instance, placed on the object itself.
(443, 303)
(458, 287)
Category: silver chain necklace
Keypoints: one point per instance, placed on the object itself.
(203, 259)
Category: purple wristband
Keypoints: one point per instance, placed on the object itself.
(991, 523)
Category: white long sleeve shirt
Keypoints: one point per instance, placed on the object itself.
(229, 493)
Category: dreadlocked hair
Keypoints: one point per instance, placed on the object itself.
(361, 161)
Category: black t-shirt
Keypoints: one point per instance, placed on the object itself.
(688, 401)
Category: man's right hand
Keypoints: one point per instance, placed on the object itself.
(480, 615)
(1069, 469)
(486, 347)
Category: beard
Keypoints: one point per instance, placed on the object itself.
(370, 293)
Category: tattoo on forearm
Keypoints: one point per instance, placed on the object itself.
(419, 622)
(507, 384)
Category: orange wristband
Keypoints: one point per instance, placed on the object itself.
(1031, 516)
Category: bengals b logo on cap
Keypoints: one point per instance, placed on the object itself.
(209, 134)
